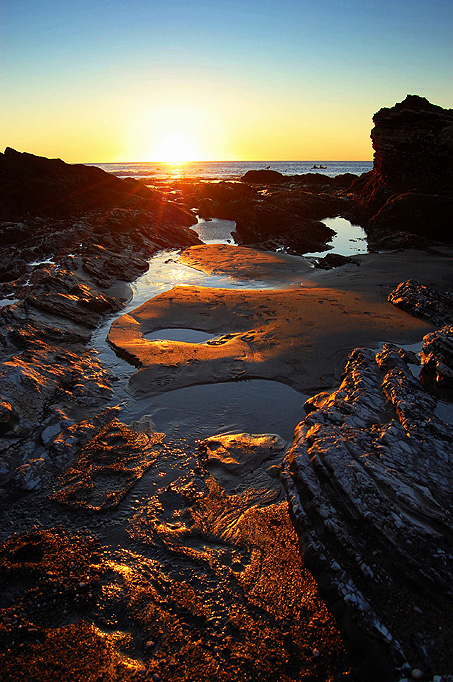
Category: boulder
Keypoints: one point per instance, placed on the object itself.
(270, 226)
(263, 176)
(423, 301)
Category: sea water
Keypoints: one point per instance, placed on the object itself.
(230, 170)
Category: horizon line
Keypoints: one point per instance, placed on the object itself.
(270, 161)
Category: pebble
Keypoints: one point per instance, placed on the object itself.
(315, 653)
(417, 674)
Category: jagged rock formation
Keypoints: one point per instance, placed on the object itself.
(36, 186)
(369, 481)
(423, 301)
(437, 351)
(410, 186)
(60, 273)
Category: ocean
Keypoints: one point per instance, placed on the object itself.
(229, 170)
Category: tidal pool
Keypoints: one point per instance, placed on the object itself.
(195, 412)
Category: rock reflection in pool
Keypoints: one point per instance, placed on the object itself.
(252, 406)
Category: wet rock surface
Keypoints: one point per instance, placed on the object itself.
(423, 301)
(369, 486)
(125, 556)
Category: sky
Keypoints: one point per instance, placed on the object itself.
(173, 80)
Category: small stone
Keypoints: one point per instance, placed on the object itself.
(417, 674)
(156, 677)
(315, 653)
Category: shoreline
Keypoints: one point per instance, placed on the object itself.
(164, 524)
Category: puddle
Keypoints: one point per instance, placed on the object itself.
(215, 231)
(8, 301)
(252, 406)
(195, 412)
(350, 239)
(444, 411)
(179, 334)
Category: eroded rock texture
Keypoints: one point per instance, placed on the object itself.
(410, 186)
(71, 237)
(437, 351)
(369, 481)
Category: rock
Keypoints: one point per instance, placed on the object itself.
(29, 475)
(270, 226)
(413, 146)
(35, 186)
(263, 176)
(370, 488)
(49, 433)
(410, 186)
(333, 260)
(420, 214)
(108, 466)
(423, 301)
(6, 414)
(437, 362)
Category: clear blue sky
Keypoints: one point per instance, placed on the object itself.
(117, 80)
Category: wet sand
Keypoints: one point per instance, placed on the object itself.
(300, 335)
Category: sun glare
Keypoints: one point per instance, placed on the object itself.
(175, 148)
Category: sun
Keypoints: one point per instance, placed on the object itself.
(175, 148)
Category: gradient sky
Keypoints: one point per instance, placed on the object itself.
(117, 80)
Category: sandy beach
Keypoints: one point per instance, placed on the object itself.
(300, 335)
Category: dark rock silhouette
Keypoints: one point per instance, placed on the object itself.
(411, 185)
(35, 186)
(48, 207)
(263, 176)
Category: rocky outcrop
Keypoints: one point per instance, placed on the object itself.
(369, 482)
(413, 146)
(267, 225)
(35, 186)
(370, 487)
(410, 186)
(437, 350)
(289, 218)
(423, 301)
(69, 233)
(263, 176)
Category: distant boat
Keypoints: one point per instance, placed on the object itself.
(315, 167)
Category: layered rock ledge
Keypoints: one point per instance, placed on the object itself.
(369, 481)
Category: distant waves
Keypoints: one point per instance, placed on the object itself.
(230, 170)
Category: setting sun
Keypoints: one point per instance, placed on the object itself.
(175, 148)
